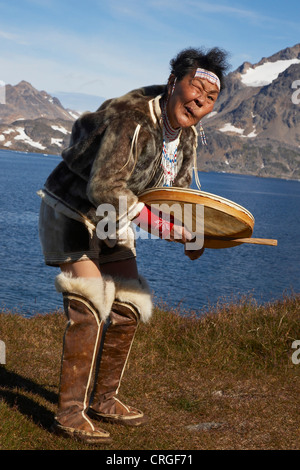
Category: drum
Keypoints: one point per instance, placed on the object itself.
(224, 223)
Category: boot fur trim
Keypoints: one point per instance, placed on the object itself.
(137, 293)
(99, 291)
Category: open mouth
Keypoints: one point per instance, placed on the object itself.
(190, 111)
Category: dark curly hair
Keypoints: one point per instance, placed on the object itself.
(214, 60)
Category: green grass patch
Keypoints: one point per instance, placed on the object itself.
(232, 365)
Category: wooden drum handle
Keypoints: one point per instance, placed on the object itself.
(254, 241)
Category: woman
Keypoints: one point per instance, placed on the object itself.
(144, 139)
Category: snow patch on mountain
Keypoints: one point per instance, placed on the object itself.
(23, 136)
(237, 130)
(57, 142)
(230, 128)
(265, 74)
(60, 129)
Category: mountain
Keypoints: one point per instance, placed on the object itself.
(255, 126)
(23, 101)
(254, 129)
(34, 121)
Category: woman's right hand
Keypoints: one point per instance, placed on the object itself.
(180, 234)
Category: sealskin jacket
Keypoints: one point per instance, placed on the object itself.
(116, 151)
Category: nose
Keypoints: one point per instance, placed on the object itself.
(200, 100)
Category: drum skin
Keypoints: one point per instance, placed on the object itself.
(224, 220)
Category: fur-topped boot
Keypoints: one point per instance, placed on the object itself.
(87, 304)
(132, 303)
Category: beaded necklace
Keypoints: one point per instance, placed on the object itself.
(170, 145)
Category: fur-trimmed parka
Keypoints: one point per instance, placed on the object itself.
(116, 151)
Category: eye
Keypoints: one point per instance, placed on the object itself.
(197, 85)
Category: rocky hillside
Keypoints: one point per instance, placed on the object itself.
(33, 121)
(254, 129)
(255, 126)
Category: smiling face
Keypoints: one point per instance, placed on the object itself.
(191, 100)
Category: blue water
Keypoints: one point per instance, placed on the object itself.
(265, 273)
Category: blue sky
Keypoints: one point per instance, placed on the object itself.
(108, 47)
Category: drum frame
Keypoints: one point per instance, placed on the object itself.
(173, 195)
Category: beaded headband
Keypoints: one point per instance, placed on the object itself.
(210, 76)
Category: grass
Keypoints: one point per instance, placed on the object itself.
(232, 368)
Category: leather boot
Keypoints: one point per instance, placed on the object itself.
(81, 346)
(132, 303)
